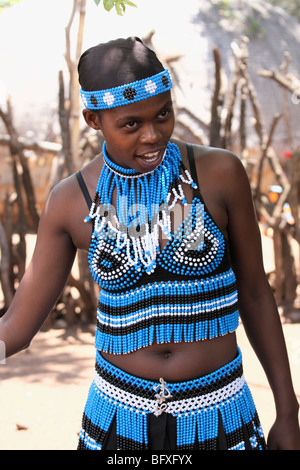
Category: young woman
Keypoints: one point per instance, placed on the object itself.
(173, 242)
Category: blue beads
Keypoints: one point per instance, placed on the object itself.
(128, 93)
(196, 248)
(182, 311)
(198, 405)
(200, 304)
(133, 226)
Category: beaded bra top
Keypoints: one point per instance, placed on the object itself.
(185, 291)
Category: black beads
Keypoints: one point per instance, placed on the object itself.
(94, 101)
(165, 81)
(129, 93)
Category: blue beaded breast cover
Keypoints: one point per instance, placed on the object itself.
(144, 204)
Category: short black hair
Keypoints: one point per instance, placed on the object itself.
(116, 63)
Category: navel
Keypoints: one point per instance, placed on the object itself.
(166, 355)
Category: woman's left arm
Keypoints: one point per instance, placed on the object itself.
(258, 309)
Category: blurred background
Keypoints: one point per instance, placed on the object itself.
(236, 74)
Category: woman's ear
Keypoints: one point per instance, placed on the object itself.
(92, 119)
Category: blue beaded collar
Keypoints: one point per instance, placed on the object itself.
(144, 203)
(128, 93)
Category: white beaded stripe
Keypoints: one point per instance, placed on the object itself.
(191, 405)
(167, 310)
(90, 442)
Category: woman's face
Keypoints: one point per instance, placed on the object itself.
(137, 134)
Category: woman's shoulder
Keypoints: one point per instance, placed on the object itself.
(66, 199)
(213, 159)
(68, 188)
(224, 158)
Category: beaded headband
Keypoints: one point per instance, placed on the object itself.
(128, 93)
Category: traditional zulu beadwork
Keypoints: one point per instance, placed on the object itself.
(184, 292)
(144, 204)
(129, 93)
(188, 310)
(199, 298)
(198, 406)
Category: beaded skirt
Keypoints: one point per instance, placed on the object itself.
(212, 412)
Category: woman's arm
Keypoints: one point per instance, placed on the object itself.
(44, 278)
(257, 305)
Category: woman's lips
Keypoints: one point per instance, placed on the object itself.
(151, 158)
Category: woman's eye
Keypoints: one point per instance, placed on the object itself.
(164, 113)
(131, 124)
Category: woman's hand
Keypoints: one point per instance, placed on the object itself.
(285, 434)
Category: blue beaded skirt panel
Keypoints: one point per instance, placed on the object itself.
(213, 412)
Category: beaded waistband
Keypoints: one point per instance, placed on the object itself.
(170, 397)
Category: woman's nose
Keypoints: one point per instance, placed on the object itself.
(150, 134)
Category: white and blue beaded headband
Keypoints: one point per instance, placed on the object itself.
(128, 93)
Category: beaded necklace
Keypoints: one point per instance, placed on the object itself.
(144, 204)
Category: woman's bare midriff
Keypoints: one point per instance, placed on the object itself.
(177, 361)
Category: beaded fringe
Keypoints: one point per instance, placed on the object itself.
(144, 204)
(198, 406)
(166, 311)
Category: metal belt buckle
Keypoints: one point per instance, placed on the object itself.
(161, 397)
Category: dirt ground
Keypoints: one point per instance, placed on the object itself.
(43, 391)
